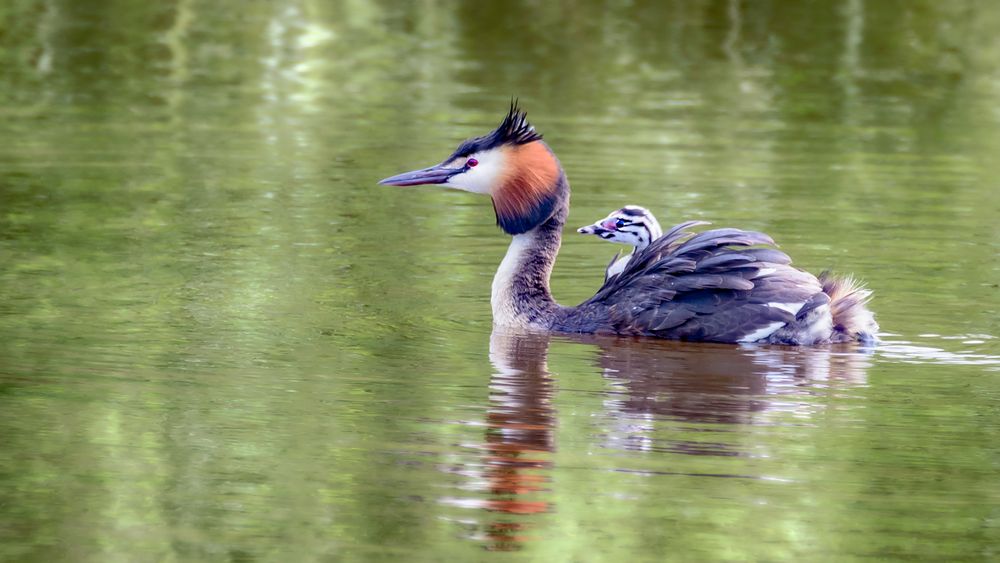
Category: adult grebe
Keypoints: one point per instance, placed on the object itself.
(708, 286)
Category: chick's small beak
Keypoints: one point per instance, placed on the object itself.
(594, 229)
(437, 174)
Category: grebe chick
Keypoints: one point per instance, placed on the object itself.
(720, 285)
(631, 225)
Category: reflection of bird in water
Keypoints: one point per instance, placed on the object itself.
(520, 420)
(519, 436)
(651, 381)
(713, 384)
(709, 286)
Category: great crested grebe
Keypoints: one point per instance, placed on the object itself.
(631, 225)
(708, 286)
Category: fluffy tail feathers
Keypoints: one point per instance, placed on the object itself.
(852, 321)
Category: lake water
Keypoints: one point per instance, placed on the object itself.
(220, 340)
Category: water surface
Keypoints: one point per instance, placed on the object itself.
(221, 340)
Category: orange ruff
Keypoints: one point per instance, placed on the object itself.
(530, 182)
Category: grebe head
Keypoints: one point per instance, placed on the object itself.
(632, 225)
(511, 164)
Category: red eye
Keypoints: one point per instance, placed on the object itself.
(471, 162)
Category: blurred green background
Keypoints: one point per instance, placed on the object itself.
(221, 340)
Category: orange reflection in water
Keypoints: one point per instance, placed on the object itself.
(649, 381)
(519, 436)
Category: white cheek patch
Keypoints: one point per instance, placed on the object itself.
(481, 178)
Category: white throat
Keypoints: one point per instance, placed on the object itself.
(503, 297)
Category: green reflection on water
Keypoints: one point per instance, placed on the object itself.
(220, 339)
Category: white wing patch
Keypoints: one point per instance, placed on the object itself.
(762, 333)
(792, 308)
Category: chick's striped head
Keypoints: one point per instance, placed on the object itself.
(511, 164)
(631, 225)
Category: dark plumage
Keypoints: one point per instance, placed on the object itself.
(705, 286)
(539, 209)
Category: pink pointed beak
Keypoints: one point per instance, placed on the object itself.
(598, 228)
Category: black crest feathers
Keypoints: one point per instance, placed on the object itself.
(513, 130)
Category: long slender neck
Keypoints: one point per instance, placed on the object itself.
(521, 296)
